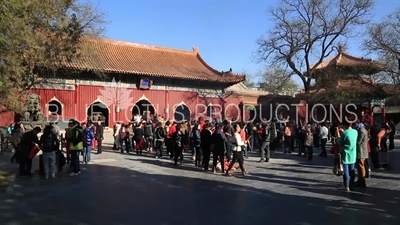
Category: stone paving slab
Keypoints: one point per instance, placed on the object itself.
(124, 189)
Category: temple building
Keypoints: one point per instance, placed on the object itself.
(345, 79)
(123, 79)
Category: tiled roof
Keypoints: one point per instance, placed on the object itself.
(358, 86)
(343, 62)
(361, 84)
(111, 56)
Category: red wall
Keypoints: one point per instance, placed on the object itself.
(6, 118)
(75, 103)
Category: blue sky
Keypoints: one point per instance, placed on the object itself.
(224, 31)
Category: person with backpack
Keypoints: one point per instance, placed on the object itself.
(75, 145)
(159, 134)
(49, 145)
(88, 137)
(196, 144)
(149, 136)
(265, 145)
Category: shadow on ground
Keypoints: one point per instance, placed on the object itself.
(113, 195)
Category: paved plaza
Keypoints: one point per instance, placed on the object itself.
(121, 189)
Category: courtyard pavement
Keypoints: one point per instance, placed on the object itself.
(122, 189)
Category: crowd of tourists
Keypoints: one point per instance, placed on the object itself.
(223, 143)
(230, 142)
(78, 140)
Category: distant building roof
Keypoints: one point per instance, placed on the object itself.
(346, 64)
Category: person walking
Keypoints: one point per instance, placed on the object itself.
(159, 135)
(139, 138)
(49, 143)
(99, 137)
(206, 142)
(196, 145)
(228, 130)
(309, 143)
(237, 151)
(323, 136)
(178, 145)
(76, 145)
(265, 146)
(16, 135)
(392, 133)
(362, 155)
(88, 136)
(219, 138)
(28, 140)
(348, 151)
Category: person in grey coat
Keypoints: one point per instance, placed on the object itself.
(362, 155)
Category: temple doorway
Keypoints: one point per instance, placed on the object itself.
(54, 108)
(143, 108)
(98, 111)
(182, 112)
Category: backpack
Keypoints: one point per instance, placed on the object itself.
(77, 136)
(148, 130)
(49, 143)
(266, 133)
(122, 133)
(159, 133)
(61, 159)
(196, 138)
(178, 138)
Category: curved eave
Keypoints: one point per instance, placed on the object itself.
(346, 70)
(229, 79)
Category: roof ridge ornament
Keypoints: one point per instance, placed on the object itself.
(195, 49)
(341, 49)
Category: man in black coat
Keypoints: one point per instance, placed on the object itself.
(392, 126)
(206, 141)
(219, 139)
(228, 131)
(99, 136)
(28, 140)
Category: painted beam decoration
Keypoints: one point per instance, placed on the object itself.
(54, 83)
(69, 84)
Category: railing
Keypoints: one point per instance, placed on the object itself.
(5, 143)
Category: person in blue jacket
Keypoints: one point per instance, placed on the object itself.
(88, 136)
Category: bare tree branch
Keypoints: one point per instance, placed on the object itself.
(383, 38)
(278, 81)
(306, 31)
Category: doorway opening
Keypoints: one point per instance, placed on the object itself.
(143, 108)
(182, 113)
(98, 111)
(55, 108)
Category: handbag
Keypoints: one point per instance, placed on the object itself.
(334, 149)
(34, 151)
(337, 165)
